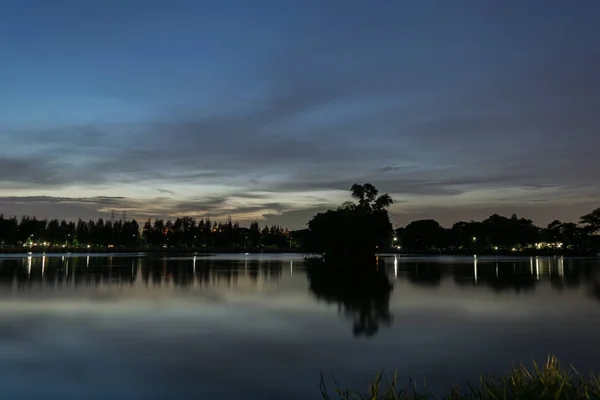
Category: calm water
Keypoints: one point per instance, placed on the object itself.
(243, 327)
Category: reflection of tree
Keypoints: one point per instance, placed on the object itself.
(147, 271)
(499, 277)
(429, 274)
(361, 293)
(519, 275)
(594, 278)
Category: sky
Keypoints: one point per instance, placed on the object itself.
(270, 110)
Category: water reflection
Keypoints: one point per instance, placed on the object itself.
(364, 297)
(362, 294)
(499, 274)
(164, 272)
(129, 319)
(424, 273)
(519, 275)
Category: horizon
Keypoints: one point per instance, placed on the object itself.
(119, 217)
(271, 111)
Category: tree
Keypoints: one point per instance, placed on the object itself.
(423, 234)
(510, 232)
(9, 229)
(184, 232)
(592, 221)
(367, 198)
(254, 235)
(352, 230)
(467, 235)
(82, 232)
(567, 233)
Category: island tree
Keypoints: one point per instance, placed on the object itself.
(354, 229)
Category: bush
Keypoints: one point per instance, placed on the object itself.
(548, 382)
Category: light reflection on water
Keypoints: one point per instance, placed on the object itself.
(257, 326)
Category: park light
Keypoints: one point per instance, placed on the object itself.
(474, 238)
(395, 239)
(495, 247)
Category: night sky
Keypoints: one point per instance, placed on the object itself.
(270, 110)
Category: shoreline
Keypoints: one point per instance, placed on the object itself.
(106, 250)
(208, 252)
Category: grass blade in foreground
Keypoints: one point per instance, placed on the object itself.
(548, 382)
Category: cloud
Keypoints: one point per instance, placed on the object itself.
(99, 200)
(48, 207)
(215, 207)
(392, 168)
(309, 112)
(296, 219)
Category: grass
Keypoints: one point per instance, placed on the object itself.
(550, 381)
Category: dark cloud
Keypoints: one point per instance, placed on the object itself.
(26, 171)
(100, 200)
(165, 191)
(498, 138)
(296, 218)
(159, 207)
(392, 168)
(62, 207)
(427, 104)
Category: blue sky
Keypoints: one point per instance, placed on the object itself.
(270, 110)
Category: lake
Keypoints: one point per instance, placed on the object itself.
(266, 326)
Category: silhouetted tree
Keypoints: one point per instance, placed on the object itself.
(423, 234)
(353, 229)
(591, 221)
(8, 230)
(510, 232)
(467, 235)
(367, 198)
(569, 234)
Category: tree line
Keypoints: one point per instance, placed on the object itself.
(363, 228)
(183, 232)
(498, 233)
